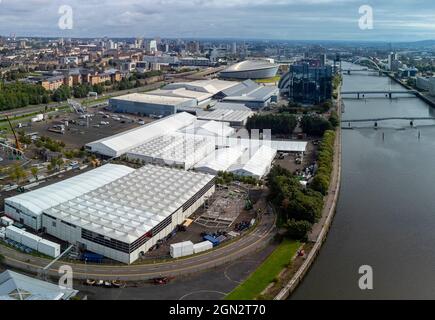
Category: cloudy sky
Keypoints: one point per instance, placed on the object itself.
(394, 20)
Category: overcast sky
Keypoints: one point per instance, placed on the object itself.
(394, 20)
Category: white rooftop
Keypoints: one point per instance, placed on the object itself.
(220, 160)
(212, 86)
(278, 145)
(153, 99)
(226, 115)
(182, 93)
(209, 128)
(130, 207)
(117, 145)
(41, 199)
(175, 148)
(258, 164)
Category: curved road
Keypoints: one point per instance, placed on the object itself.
(249, 243)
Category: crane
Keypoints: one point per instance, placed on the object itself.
(17, 142)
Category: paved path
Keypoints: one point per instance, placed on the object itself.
(249, 243)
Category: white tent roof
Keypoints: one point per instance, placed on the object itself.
(128, 208)
(209, 128)
(175, 147)
(15, 286)
(119, 144)
(183, 93)
(220, 160)
(258, 164)
(278, 145)
(41, 199)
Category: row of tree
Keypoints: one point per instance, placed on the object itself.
(279, 123)
(298, 208)
(18, 95)
(325, 160)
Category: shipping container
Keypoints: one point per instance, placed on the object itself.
(214, 241)
(29, 240)
(14, 233)
(202, 246)
(6, 221)
(49, 248)
(181, 249)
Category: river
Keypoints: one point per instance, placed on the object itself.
(386, 213)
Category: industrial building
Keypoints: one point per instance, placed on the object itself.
(16, 286)
(150, 104)
(27, 208)
(220, 160)
(236, 118)
(125, 218)
(176, 149)
(250, 69)
(258, 165)
(250, 94)
(117, 145)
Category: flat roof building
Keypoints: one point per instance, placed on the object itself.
(117, 145)
(27, 208)
(125, 218)
(176, 149)
(258, 165)
(150, 104)
(236, 118)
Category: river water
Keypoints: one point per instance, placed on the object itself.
(386, 213)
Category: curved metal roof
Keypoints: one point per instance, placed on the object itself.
(250, 65)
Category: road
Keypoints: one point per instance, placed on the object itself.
(249, 243)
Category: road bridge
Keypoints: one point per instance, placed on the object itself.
(387, 93)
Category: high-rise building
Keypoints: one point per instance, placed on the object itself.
(151, 46)
(307, 84)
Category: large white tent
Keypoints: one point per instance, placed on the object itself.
(176, 149)
(28, 207)
(117, 145)
(128, 216)
(221, 160)
(258, 165)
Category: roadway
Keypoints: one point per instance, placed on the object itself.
(257, 239)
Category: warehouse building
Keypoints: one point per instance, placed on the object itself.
(220, 160)
(258, 165)
(176, 149)
(259, 98)
(125, 218)
(236, 118)
(118, 145)
(209, 128)
(150, 104)
(27, 208)
(201, 98)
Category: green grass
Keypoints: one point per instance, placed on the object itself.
(266, 273)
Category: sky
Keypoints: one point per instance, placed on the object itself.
(393, 20)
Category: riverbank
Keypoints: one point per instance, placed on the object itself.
(427, 100)
(320, 229)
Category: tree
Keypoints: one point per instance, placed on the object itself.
(298, 230)
(315, 125)
(34, 171)
(17, 173)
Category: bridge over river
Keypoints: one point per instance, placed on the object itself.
(387, 93)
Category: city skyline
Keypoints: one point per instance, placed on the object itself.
(255, 19)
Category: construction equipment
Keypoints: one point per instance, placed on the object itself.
(17, 142)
